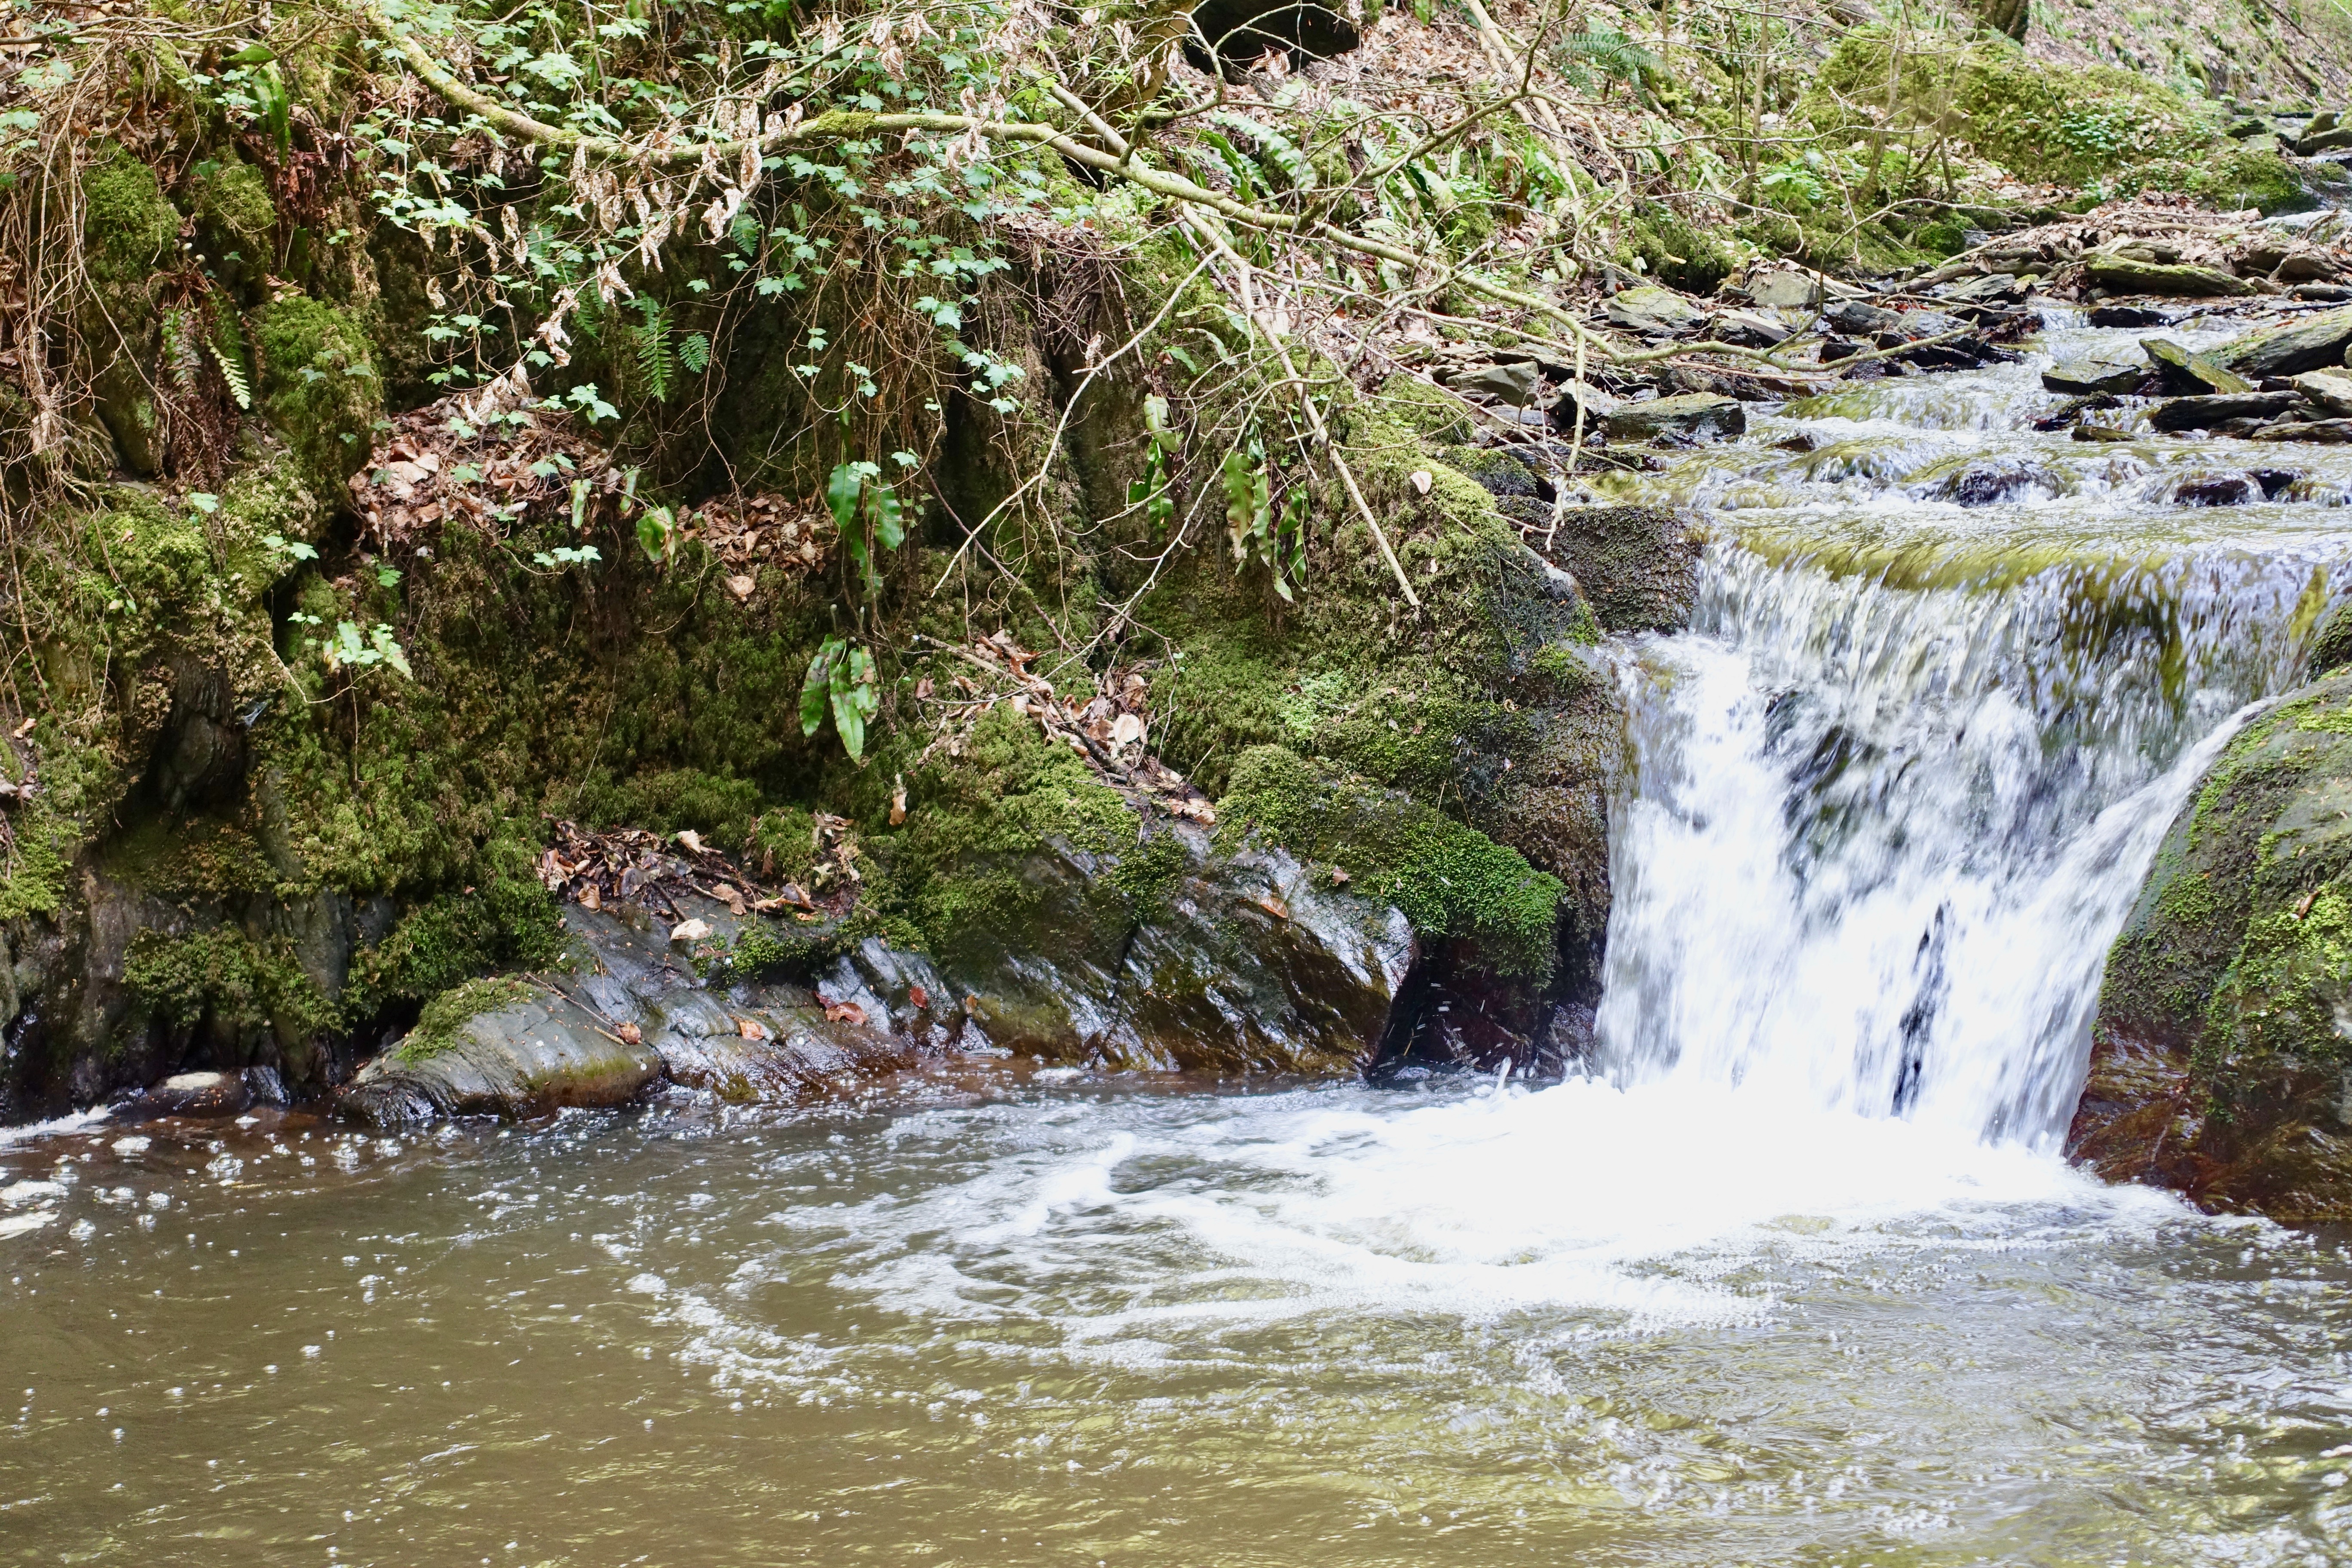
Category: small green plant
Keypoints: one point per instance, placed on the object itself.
(1258, 530)
(840, 678)
(868, 513)
(1148, 491)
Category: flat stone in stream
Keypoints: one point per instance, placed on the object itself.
(2328, 391)
(2089, 376)
(2315, 342)
(2325, 432)
(1691, 417)
(1517, 384)
(2126, 275)
(1783, 290)
(2216, 489)
(2086, 431)
(1987, 481)
(2204, 412)
(2185, 374)
(1747, 329)
(2128, 316)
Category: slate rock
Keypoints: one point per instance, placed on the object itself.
(2216, 489)
(2184, 374)
(2323, 432)
(1693, 416)
(1517, 384)
(2204, 412)
(2329, 391)
(2125, 275)
(197, 1094)
(1987, 481)
(2312, 343)
(2089, 376)
(2128, 316)
(1636, 565)
(1654, 311)
(1748, 329)
(2086, 431)
(1861, 319)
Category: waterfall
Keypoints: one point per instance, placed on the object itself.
(1885, 816)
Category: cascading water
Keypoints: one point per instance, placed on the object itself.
(1797, 1277)
(1879, 837)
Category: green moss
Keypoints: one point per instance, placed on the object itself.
(128, 225)
(231, 202)
(224, 979)
(955, 867)
(724, 811)
(2281, 994)
(1675, 252)
(318, 385)
(437, 1025)
(1149, 873)
(1451, 881)
(508, 921)
(201, 858)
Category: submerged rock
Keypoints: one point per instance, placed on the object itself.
(2092, 375)
(1989, 481)
(2204, 412)
(2219, 1066)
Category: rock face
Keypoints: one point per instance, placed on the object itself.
(2184, 374)
(1638, 565)
(1236, 959)
(2218, 1063)
(2204, 412)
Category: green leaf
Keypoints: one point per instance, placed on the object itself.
(252, 54)
(654, 533)
(841, 489)
(390, 651)
(854, 699)
(889, 528)
(818, 684)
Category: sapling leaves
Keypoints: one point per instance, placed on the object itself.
(840, 680)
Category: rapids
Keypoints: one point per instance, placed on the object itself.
(1794, 1276)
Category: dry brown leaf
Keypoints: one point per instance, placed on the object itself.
(630, 1034)
(690, 931)
(1274, 907)
(751, 1028)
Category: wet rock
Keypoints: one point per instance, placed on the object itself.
(1989, 481)
(1596, 405)
(2184, 374)
(1692, 417)
(1861, 319)
(2313, 343)
(1993, 288)
(2203, 412)
(265, 1086)
(197, 1094)
(2128, 316)
(2216, 489)
(2128, 275)
(529, 1050)
(2087, 431)
(2323, 432)
(1653, 311)
(1833, 350)
(1747, 329)
(2217, 1064)
(2092, 375)
(1637, 566)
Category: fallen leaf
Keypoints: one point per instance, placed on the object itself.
(1127, 730)
(751, 1028)
(1421, 480)
(918, 996)
(1339, 877)
(631, 1035)
(923, 689)
(690, 931)
(590, 899)
(740, 585)
(691, 839)
(24, 729)
(1274, 907)
(843, 1013)
(899, 802)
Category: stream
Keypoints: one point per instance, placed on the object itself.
(1797, 1276)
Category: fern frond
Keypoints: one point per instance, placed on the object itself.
(655, 361)
(1279, 150)
(693, 352)
(230, 357)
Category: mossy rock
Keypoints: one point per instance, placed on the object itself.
(2219, 1063)
(319, 387)
(238, 222)
(127, 225)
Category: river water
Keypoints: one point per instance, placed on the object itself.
(1796, 1277)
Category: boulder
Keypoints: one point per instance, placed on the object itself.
(513, 1048)
(2086, 431)
(2079, 376)
(2128, 316)
(1784, 290)
(1691, 417)
(2204, 412)
(2216, 489)
(1993, 288)
(2185, 374)
(1596, 405)
(2218, 1060)
(2312, 343)
(2128, 275)
(1653, 311)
